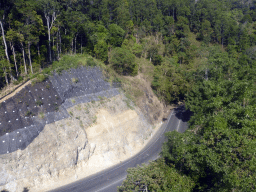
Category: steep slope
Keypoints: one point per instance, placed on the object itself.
(90, 131)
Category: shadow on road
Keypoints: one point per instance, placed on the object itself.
(183, 114)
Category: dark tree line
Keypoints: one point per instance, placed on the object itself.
(36, 33)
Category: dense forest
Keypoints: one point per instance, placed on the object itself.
(203, 53)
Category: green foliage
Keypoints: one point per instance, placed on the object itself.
(29, 113)
(101, 50)
(157, 59)
(74, 80)
(40, 77)
(39, 103)
(90, 62)
(217, 152)
(116, 35)
(123, 61)
(41, 115)
(157, 176)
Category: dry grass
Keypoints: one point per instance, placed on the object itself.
(9, 89)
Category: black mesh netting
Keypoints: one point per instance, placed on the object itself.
(23, 116)
(78, 82)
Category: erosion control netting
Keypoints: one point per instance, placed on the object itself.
(78, 82)
(18, 113)
(23, 116)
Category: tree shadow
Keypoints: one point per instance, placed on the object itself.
(25, 189)
(182, 114)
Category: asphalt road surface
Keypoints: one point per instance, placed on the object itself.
(109, 179)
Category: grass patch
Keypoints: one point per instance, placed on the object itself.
(41, 115)
(94, 119)
(39, 103)
(74, 80)
(81, 124)
(73, 100)
(127, 101)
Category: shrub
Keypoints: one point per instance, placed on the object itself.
(41, 115)
(74, 80)
(157, 60)
(116, 35)
(28, 113)
(91, 62)
(123, 62)
(20, 79)
(39, 102)
(41, 77)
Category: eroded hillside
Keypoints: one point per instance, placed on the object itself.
(93, 126)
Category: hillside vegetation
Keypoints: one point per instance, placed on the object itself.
(201, 53)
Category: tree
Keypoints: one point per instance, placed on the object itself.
(32, 26)
(5, 7)
(123, 61)
(157, 176)
(116, 35)
(101, 50)
(51, 10)
(206, 32)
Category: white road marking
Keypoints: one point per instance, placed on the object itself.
(178, 126)
(111, 184)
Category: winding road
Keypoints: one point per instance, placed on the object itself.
(108, 180)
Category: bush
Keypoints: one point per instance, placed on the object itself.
(116, 35)
(91, 62)
(40, 77)
(74, 80)
(39, 103)
(123, 62)
(157, 60)
(41, 115)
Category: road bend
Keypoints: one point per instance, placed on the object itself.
(108, 179)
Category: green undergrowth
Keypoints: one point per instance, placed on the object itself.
(66, 62)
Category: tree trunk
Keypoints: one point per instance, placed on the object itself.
(81, 44)
(53, 53)
(5, 45)
(49, 37)
(38, 50)
(72, 46)
(5, 75)
(6, 49)
(75, 43)
(60, 43)
(29, 56)
(14, 57)
(57, 48)
(24, 59)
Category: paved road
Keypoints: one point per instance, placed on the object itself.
(109, 179)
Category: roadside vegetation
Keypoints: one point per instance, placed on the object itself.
(201, 53)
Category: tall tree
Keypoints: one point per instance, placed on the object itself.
(5, 7)
(51, 10)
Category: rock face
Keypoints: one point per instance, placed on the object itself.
(94, 126)
(57, 147)
(97, 135)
